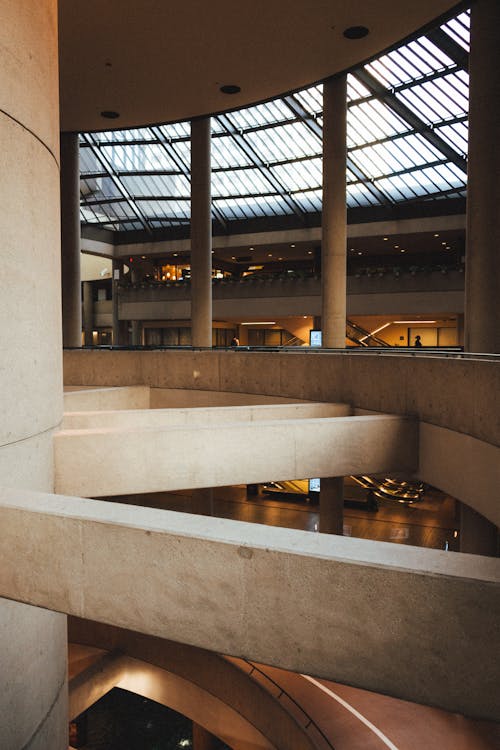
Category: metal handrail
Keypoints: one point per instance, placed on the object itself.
(448, 352)
(282, 691)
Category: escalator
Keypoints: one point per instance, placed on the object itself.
(361, 337)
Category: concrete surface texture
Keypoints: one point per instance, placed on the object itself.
(112, 461)
(459, 394)
(466, 468)
(155, 571)
(32, 641)
(200, 415)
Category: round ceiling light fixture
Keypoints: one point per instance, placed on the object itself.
(110, 114)
(356, 32)
(230, 88)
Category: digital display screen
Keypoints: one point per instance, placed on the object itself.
(314, 485)
(314, 338)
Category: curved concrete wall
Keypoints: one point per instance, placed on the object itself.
(455, 393)
(456, 396)
(32, 642)
(319, 604)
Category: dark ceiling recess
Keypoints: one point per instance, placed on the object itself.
(356, 32)
(110, 114)
(230, 89)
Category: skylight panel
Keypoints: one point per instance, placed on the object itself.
(455, 135)
(372, 121)
(309, 201)
(431, 54)
(459, 29)
(227, 154)
(355, 89)
(311, 99)
(239, 182)
(359, 195)
(300, 175)
(88, 161)
(176, 130)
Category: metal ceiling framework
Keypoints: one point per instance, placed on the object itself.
(407, 141)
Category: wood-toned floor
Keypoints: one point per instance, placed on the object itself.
(429, 523)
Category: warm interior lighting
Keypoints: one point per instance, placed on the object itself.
(413, 321)
(260, 323)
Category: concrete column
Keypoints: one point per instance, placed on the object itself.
(482, 272)
(202, 501)
(33, 702)
(203, 740)
(70, 240)
(460, 329)
(88, 313)
(331, 505)
(478, 536)
(201, 234)
(334, 222)
(120, 332)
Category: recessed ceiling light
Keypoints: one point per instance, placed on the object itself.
(443, 243)
(359, 252)
(396, 247)
(251, 249)
(403, 251)
(356, 32)
(309, 252)
(110, 114)
(280, 258)
(385, 239)
(436, 235)
(233, 257)
(292, 245)
(269, 255)
(230, 88)
(175, 255)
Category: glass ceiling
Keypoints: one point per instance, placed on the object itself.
(407, 131)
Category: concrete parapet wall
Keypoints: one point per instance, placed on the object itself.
(325, 605)
(97, 399)
(458, 394)
(126, 419)
(106, 461)
(466, 468)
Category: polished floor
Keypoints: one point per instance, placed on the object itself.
(428, 523)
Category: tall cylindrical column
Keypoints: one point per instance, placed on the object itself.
(88, 313)
(334, 221)
(70, 240)
(33, 703)
(331, 505)
(482, 270)
(201, 234)
(119, 338)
